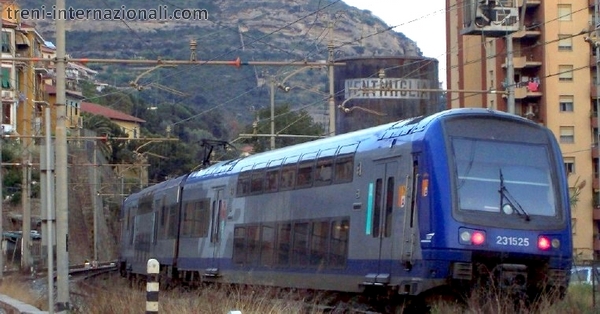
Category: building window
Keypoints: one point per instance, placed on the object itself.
(6, 42)
(6, 78)
(567, 134)
(565, 42)
(569, 165)
(6, 113)
(574, 225)
(564, 12)
(565, 73)
(565, 103)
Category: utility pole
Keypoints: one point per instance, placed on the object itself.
(47, 179)
(62, 191)
(596, 46)
(330, 63)
(96, 200)
(1, 168)
(272, 113)
(510, 74)
(25, 186)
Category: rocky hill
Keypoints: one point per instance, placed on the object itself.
(259, 30)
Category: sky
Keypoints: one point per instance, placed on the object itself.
(422, 22)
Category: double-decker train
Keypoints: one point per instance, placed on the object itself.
(459, 199)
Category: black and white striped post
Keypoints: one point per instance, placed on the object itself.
(153, 269)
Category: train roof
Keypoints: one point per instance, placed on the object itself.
(161, 185)
(340, 144)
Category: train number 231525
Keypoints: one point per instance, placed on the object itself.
(514, 241)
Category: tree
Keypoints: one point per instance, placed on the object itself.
(287, 121)
(115, 151)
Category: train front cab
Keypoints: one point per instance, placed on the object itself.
(497, 214)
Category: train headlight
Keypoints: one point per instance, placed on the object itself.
(471, 237)
(507, 209)
(555, 243)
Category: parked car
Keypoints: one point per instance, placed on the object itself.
(585, 275)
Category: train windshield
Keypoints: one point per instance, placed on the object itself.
(492, 174)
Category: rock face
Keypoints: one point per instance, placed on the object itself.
(269, 22)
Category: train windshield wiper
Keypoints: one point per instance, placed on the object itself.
(512, 202)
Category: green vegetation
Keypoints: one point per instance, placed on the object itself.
(189, 127)
(287, 122)
(12, 176)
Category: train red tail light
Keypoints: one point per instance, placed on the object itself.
(478, 238)
(544, 243)
(471, 237)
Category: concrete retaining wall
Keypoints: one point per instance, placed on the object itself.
(9, 305)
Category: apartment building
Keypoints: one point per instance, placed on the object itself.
(21, 82)
(536, 59)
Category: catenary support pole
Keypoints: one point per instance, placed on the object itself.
(48, 202)
(62, 191)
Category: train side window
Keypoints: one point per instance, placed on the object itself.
(127, 219)
(243, 183)
(252, 245)
(258, 179)
(267, 245)
(188, 212)
(154, 238)
(288, 177)
(338, 243)
(216, 220)
(163, 215)
(319, 243)
(305, 174)
(343, 169)
(284, 238)
(389, 206)
(201, 218)
(272, 180)
(300, 244)
(239, 243)
(132, 223)
(377, 208)
(306, 168)
(173, 222)
(324, 171)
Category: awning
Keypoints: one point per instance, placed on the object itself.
(21, 39)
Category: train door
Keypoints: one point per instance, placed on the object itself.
(218, 217)
(380, 215)
(409, 208)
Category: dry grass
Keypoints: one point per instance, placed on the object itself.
(124, 300)
(17, 288)
(114, 296)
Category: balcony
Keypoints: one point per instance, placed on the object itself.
(595, 184)
(8, 96)
(594, 90)
(522, 92)
(596, 213)
(530, 31)
(596, 244)
(523, 62)
(536, 3)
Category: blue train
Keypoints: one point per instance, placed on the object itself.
(443, 203)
